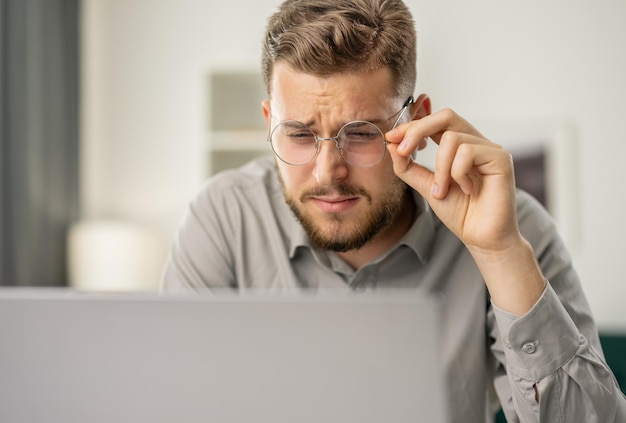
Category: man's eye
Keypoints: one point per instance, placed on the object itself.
(301, 137)
(362, 136)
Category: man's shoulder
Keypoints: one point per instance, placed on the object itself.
(251, 187)
(255, 177)
(535, 221)
(529, 208)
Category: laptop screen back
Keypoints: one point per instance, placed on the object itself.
(68, 357)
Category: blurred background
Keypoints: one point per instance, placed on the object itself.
(115, 111)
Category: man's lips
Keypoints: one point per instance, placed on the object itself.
(334, 204)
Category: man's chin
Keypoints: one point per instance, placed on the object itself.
(336, 236)
(336, 245)
(345, 231)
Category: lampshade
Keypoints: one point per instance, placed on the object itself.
(110, 255)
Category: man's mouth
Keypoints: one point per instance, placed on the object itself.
(337, 200)
(331, 204)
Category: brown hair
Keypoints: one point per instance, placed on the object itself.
(323, 37)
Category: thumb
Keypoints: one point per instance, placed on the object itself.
(415, 175)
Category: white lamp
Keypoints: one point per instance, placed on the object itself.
(111, 255)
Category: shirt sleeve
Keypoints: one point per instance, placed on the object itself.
(546, 356)
(549, 362)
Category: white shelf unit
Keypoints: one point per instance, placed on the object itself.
(236, 131)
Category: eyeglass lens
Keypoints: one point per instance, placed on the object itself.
(360, 143)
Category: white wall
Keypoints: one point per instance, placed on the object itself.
(531, 61)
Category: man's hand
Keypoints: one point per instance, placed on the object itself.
(472, 191)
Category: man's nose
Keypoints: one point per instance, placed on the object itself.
(329, 167)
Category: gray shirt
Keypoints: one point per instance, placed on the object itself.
(239, 233)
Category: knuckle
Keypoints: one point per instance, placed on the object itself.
(458, 170)
(412, 139)
(464, 150)
(450, 138)
(509, 160)
(448, 114)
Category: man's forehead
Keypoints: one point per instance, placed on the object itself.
(337, 93)
(287, 81)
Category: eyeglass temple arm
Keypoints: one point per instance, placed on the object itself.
(405, 106)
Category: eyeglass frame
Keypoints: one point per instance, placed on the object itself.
(400, 113)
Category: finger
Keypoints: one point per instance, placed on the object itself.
(461, 166)
(412, 173)
(450, 145)
(474, 161)
(410, 134)
(408, 138)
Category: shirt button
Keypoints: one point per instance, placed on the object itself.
(530, 347)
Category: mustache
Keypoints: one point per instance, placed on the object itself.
(344, 190)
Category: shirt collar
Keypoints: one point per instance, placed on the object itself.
(293, 231)
(420, 237)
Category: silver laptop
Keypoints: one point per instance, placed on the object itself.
(69, 357)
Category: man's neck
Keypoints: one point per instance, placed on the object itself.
(386, 239)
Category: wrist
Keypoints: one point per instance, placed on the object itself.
(512, 275)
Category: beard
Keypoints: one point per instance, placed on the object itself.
(339, 233)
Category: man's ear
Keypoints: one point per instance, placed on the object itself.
(421, 107)
(265, 105)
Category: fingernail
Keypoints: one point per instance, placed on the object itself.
(402, 146)
(436, 191)
(466, 188)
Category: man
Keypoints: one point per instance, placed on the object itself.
(343, 204)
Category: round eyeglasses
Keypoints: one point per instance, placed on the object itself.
(360, 143)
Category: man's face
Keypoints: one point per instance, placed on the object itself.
(342, 207)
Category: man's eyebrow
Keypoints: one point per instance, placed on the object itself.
(293, 123)
(376, 121)
(309, 123)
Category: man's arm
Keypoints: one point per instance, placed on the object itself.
(555, 342)
(472, 190)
